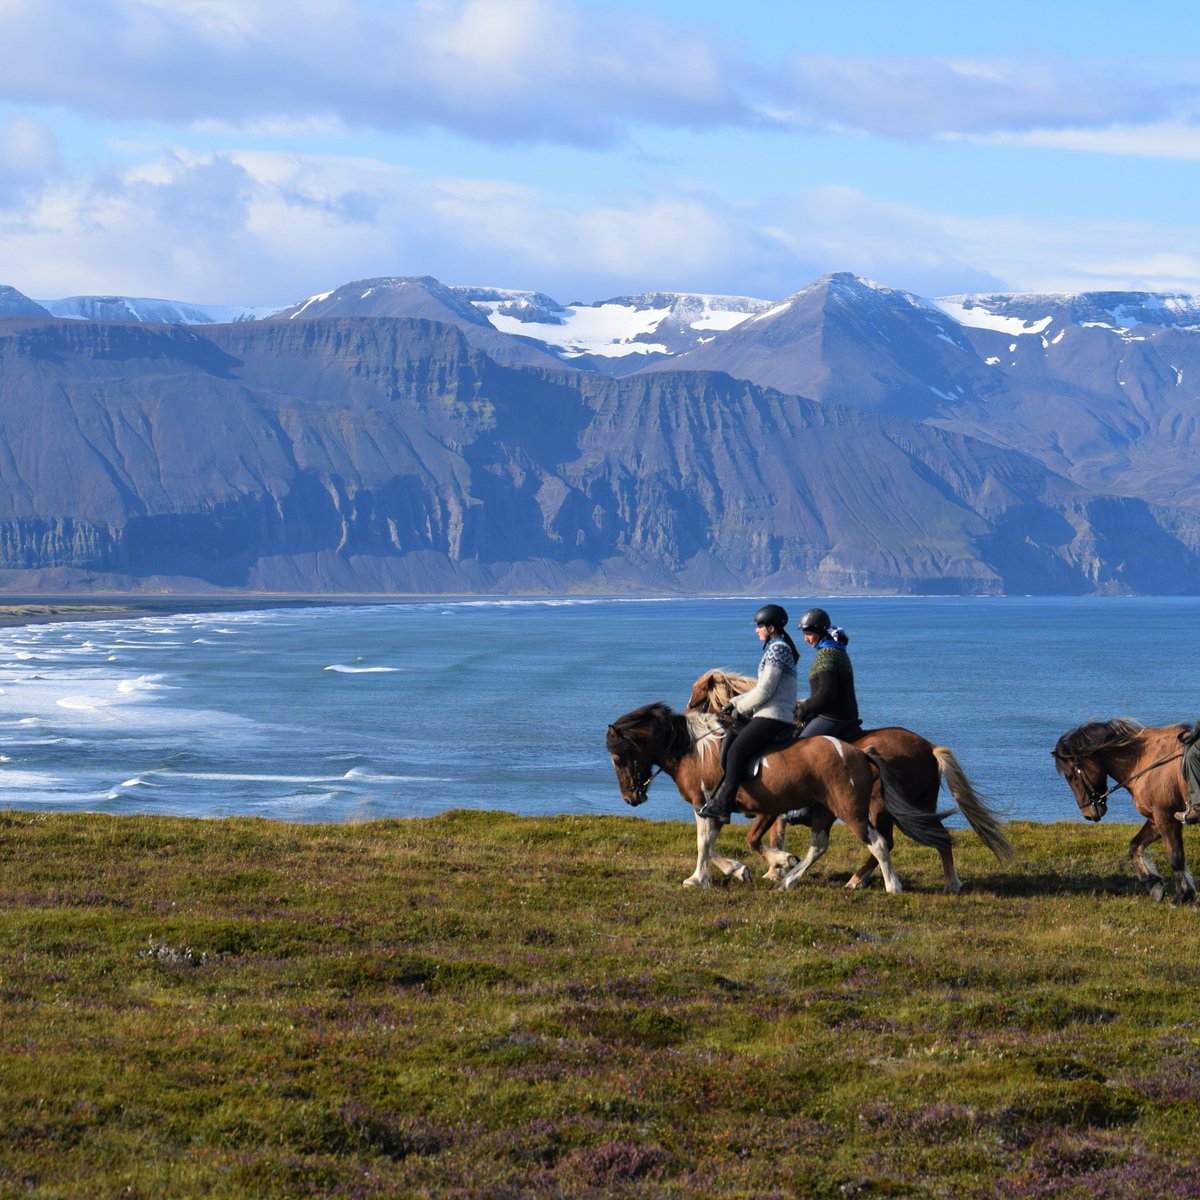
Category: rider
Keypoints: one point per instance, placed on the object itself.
(831, 707)
(770, 705)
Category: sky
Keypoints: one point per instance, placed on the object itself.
(255, 152)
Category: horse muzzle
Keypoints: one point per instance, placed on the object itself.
(1096, 810)
(640, 796)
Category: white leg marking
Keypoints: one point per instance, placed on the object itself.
(706, 834)
(878, 846)
(818, 846)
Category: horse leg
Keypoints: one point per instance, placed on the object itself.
(878, 845)
(779, 861)
(885, 824)
(1185, 886)
(706, 835)
(879, 848)
(818, 844)
(1147, 873)
(953, 883)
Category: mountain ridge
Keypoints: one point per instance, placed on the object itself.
(354, 454)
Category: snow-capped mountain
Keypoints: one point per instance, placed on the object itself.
(619, 335)
(151, 311)
(1030, 312)
(16, 304)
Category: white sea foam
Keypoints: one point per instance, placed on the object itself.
(82, 703)
(342, 669)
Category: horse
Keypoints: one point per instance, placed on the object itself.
(1146, 761)
(832, 777)
(921, 767)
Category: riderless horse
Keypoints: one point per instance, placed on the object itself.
(1147, 762)
(835, 779)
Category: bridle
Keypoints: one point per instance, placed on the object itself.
(1099, 799)
(640, 785)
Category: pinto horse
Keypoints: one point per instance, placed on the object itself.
(921, 766)
(832, 777)
(1147, 762)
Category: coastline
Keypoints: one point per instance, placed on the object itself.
(30, 610)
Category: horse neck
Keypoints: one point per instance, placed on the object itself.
(692, 770)
(1122, 761)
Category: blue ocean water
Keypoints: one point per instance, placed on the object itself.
(344, 713)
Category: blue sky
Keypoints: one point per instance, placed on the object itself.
(259, 151)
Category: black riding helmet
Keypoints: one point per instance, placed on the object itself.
(816, 620)
(771, 614)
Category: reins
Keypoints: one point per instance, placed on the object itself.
(641, 787)
(1102, 797)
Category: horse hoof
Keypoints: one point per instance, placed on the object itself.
(1157, 892)
(742, 875)
(690, 882)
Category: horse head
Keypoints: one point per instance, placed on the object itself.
(650, 739)
(1081, 757)
(1087, 783)
(631, 744)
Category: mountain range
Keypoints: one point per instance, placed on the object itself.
(401, 435)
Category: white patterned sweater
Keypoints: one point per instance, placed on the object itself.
(774, 695)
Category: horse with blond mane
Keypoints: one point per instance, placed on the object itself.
(833, 777)
(921, 768)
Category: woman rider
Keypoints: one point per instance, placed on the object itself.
(831, 707)
(770, 705)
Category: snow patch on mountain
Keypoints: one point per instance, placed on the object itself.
(969, 311)
(653, 323)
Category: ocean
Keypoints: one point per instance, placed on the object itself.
(405, 709)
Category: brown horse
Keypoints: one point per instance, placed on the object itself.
(921, 767)
(832, 777)
(1147, 762)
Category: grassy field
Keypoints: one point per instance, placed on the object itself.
(478, 1005)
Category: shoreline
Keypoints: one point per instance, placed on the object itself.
(43, 610)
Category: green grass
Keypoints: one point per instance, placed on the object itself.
(481, 1005)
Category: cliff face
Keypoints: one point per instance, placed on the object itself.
(392, 455)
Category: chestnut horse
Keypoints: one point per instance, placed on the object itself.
(921, 766)
(832, 777)
(1147, 762)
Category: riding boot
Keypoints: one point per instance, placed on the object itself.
(716, 809)
(799, 816)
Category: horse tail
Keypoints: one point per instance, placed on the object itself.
(973, 806)
(925, 828)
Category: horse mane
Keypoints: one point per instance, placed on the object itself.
(715, 689)
(1095, 737)
(658, 729)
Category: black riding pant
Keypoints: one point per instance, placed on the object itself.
(745, 748)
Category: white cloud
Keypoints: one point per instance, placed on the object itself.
(498, 70)
(29, 155)
(1175, 140)
(511, 71)
(264, 227)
